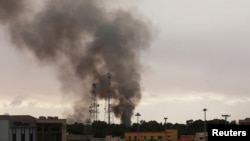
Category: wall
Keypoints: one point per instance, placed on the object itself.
(4, 130)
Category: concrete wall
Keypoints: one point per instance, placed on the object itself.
(4, 130)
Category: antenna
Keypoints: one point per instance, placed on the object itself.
(93, 108)
(107, 101)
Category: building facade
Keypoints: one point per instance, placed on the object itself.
(186, 138)
(202, 136)
(245, 121)
(28, 128)
(51, 129)
(17, 128)
(168, 135)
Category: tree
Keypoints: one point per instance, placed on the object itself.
(76, 128)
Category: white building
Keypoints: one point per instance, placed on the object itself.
(17, 128)
(28, 128)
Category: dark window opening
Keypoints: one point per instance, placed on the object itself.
(23, 137)
(31, 137)
(13, 137)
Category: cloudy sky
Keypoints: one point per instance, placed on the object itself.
(199, 58)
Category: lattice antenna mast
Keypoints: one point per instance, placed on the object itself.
(107, 108)
(93, 108)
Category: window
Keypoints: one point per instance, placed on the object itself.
(31, 137)
(55, 128)
(23, 137)
(13, 134)
(14, 137)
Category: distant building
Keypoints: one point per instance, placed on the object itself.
(245, 121)
(186, 138)
(28, 128)
(111, 138)
(168, 135)
(202, 136)
(72, 137)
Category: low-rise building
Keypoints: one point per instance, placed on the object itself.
(51, 129)
(202, 136)
(186, 138)
(73, 137)
(28, 128)
(17, 128)
(168, 135)
(245, 121)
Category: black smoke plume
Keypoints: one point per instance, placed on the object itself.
(10, 9)
(85, 42)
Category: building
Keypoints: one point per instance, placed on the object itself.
(245, 121)
(168, 135)
(111, 138)
(51, 129)
(72, 137)
(28, 128)
(186, 138)
(202, 136)
(17, 128)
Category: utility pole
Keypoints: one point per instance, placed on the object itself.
(205, 124)
(138, 115)
(165, 118)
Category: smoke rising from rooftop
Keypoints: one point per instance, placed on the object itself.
(85, 42)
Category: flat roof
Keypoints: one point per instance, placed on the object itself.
(18, 118)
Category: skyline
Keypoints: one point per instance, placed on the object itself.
(198, 58)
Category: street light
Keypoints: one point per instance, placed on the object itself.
(205, 125)
(137, 114)
(225, 116)
(165, 118)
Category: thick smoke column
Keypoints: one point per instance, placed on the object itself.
(86, 42)
(10, 9)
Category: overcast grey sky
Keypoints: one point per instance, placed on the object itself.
(199, 57)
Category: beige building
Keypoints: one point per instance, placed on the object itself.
(168, 135)
(202, 136)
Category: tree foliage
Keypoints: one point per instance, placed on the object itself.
(100, 128)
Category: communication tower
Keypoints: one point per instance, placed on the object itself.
(107, 115)
(93, 108)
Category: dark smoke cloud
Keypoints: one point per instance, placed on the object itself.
(10, 9)
(86, 42)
